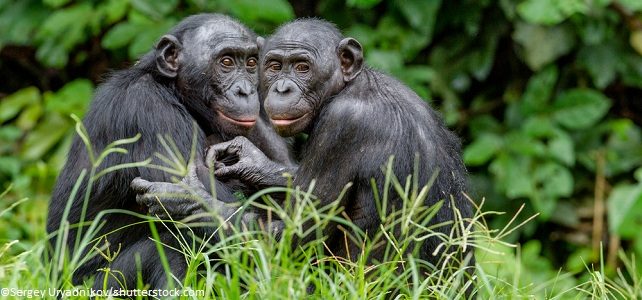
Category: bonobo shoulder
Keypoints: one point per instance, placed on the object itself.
(347, 109)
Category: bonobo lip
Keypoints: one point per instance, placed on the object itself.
(286, 122)
(246, 122)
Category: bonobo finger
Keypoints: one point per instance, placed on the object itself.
(157, 210)
(227, 171)
(143, 199)
(216, 150)
(140, 186)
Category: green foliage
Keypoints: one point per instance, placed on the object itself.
(625, 208)
(543, 93)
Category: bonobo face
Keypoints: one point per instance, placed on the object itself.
(217, 64)
(303, 64)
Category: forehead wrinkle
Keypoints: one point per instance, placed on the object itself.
(290, 46)
(245, 48)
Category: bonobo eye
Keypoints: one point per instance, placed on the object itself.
(274, 66)
(227, 61)
(302, 67)
(251, 63)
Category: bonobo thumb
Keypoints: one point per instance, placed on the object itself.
(215, 151)
(140, 186)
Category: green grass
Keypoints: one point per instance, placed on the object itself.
(252, 264)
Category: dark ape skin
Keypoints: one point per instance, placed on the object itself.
(315, 82)
(203, 72)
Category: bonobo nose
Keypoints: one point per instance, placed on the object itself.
(283, 86)
(243, 89)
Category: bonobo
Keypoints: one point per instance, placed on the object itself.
(203, 73)
(314, 81)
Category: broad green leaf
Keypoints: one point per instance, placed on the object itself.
(418, 78)
(70, 99)
(59, 22)
(539, 90)
(623, 147)
(512, 175)
(11, 105)
(155, 9)
(136, 17)
(384, 60)
(52, 54)
(561, 147)
(147, 38)
(114, 10)
(571, 7)
(538, 127)
(482, 149)
(544, 12)
(46, 134)
(9, 165)
(550, 12)
(543, 45)
(421, 14)
(121, 35)
(554, 180)
(29, 117)
(601, 62)
(484, 124)
(580, 108)
(624, 210)
(524, 145)
(419, 73)
(366, 35)
(9, 134)
(394, 36)
(551, 182)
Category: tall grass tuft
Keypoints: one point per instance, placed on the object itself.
(242, 262)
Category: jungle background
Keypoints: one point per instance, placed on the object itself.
(545, 94)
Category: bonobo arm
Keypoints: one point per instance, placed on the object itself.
(252, 166)
(191, 198)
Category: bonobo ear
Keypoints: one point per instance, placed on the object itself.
(351, 58)
(167, 51)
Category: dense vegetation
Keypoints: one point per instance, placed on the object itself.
(546, 95)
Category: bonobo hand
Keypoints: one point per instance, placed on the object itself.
(175, 200)
(189, 197)
(251, 165)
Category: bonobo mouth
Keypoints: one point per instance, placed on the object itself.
(286, 122)
(246, 122)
